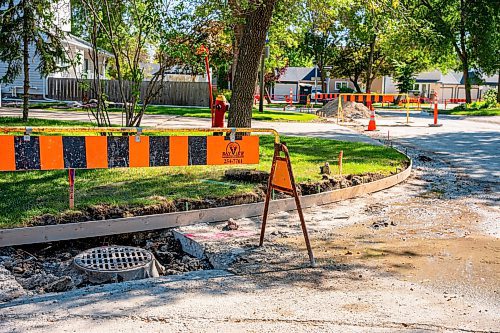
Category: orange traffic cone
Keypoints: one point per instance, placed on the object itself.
(371, 125)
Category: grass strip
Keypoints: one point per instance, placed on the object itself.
(24, 195)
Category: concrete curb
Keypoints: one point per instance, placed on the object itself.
(50, 233)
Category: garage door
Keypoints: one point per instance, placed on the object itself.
(282, 89)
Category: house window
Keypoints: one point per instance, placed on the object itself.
(85, 65)
(340, 84)
(416, 87)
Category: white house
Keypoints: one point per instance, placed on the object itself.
(301, 80)
(446, 85)
(77, 49)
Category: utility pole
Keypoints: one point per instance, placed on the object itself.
(328, 78)
(315, 84)
(265, 55)
(327, 82)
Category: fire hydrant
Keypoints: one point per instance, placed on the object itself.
(220, 109)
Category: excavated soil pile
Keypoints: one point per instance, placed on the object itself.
(330, 183)
(108, 211)
(352, 110)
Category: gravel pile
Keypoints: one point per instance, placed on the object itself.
(352, 110)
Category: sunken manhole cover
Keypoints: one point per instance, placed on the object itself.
(117, 263)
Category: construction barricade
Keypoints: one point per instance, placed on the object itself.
(58, 148)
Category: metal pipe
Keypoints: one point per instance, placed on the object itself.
(261, 83)
(45, 88)
(52, 129)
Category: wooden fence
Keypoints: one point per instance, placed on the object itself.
(172, 93)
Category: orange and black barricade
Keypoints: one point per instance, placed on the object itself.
(21, 153)
(52, 151)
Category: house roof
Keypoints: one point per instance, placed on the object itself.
(81, 43)
(295, 74)
(493, 80)
(454, 77)
(433, 76)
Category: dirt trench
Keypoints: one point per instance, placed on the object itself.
(49, 267)
(164, 205)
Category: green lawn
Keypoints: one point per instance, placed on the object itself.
(267, 115)
(25, 195)
(14, 121)
(482, 112)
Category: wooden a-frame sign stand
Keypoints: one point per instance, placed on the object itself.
(281, 179)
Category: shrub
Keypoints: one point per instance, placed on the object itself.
(344, 90)
(226, 92)
(489, 101)
(478, 105)
(490, 98)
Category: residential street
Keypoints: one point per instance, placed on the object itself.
(423, 256)
(396, 226)
(471, 144)
(330, 131)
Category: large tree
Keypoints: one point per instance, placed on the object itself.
(456, 26)
(29, 29)
(322, 33)
(320, 45)
(485, 43)
(368, 25)
(256, 18)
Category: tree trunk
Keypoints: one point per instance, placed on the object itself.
(498, 88)
(250, 50)
(238, 32)
(465, 67)
(356, 85)
(26, 61)
(369, 68)
(464, 57)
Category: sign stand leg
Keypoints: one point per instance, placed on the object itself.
(71, 177)
(268, 195)
(290, 188)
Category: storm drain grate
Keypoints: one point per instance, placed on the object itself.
(112, 259)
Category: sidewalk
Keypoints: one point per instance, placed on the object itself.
(322, 130)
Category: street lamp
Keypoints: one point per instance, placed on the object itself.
(328, 82)
(265, 55)
(315, 83)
